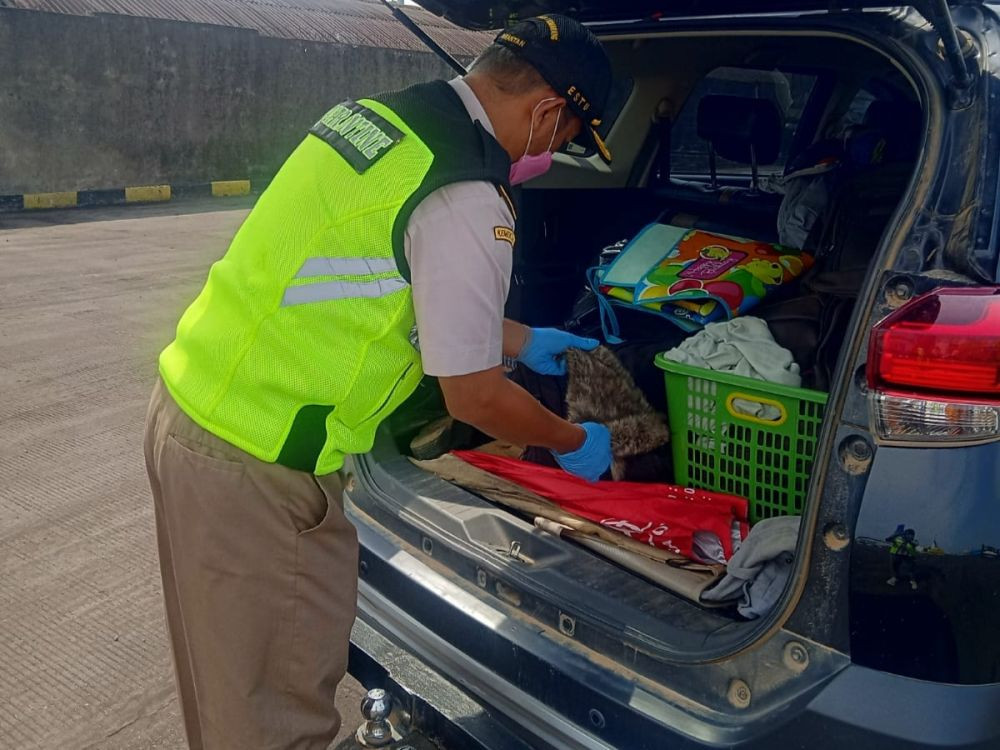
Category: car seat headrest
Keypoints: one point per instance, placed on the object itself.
(737, 125)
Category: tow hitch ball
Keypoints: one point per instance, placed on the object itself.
(375, 708)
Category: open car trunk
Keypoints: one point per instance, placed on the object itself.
(835, 90)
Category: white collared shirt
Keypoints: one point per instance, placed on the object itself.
(459, 244)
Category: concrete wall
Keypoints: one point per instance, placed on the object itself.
(108, 101)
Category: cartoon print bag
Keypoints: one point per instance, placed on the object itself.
(691, 277)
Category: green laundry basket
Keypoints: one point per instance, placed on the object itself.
(717, 446)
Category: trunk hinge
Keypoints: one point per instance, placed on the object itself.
(418, 32)
(938, 14)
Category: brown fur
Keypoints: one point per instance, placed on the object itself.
(599, 389)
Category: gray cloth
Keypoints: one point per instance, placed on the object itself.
(807, 194)
(741, 346)
(758, 571)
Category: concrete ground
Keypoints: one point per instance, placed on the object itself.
(88, 298)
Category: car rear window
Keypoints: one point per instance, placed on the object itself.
(789, 91)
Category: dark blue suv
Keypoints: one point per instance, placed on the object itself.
(492, 633)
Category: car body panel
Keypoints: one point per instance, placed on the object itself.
(477, 674)
(944, 627)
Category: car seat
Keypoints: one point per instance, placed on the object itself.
(876, 165)
(879, 158)
(740, 129)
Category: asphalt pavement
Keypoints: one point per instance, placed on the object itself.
(88, 298)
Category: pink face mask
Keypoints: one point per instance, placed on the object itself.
(531, 166)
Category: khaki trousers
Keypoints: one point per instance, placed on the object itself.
(259, 570)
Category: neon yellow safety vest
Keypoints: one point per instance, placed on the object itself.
(301, 342)
(902, 546)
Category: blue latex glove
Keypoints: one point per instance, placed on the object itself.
(591, 459)
(545, 348)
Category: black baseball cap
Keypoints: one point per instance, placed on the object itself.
(573, 62)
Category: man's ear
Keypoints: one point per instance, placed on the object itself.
(569, 127)
(545, 120)
(546, 111)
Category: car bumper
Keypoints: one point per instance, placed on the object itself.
(475, 673)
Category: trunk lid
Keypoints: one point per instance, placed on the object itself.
(493, 14)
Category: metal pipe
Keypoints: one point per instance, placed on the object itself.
(942, 20)
(423, 37)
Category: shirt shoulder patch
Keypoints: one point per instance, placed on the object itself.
(504, 234)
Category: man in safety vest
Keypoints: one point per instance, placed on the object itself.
(902, 553)
(380, 252)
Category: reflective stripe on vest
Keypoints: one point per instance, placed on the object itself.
(329, 290)
(334, 266)
(323, 291)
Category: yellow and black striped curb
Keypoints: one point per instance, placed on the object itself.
(134, 194)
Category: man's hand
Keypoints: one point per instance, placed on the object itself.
(592, 458)
(544, 349)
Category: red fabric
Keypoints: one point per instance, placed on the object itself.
(662, 515)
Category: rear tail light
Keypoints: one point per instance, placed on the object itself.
(934, 368)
